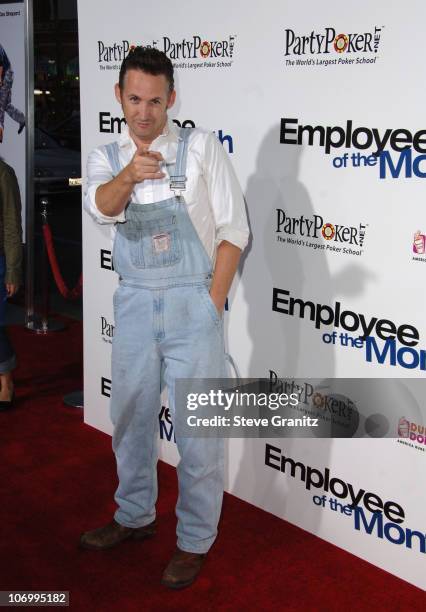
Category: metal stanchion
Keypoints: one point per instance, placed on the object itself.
(29, 179)
(44, 325)
(75, 398)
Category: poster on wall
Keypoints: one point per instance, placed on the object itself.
(12, 89)
(312, 107)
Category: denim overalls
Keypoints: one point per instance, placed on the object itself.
(166, 327)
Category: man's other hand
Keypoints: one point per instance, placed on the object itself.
(11, 289)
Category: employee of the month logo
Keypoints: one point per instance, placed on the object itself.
(109, 124)
(106, 262)
(383, 341)
(393, 151)
(368, 512)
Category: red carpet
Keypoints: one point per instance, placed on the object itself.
(58, 479)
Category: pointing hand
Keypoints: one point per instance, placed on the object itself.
(145, 165)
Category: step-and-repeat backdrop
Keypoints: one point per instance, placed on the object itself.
(321, 109)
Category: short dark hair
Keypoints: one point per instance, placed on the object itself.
(150, 60)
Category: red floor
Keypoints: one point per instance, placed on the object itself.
(58, 478)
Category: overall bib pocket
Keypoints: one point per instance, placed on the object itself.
(153, 243)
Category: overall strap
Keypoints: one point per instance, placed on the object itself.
(178, 173)
(111, 151)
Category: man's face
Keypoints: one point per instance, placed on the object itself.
(145, 99)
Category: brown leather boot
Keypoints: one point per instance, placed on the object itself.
(182, 569)
(114, 533)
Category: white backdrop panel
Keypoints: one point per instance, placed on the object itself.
(244, 102)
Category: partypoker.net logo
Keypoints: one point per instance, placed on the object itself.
(190, 47)
(329, 40)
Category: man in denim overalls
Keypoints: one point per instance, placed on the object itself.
(176, 256)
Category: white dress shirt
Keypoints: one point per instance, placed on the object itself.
(213, 195)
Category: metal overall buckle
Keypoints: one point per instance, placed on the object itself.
(178, 185)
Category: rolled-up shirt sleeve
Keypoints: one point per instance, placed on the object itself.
(225, 195)
(98, 173)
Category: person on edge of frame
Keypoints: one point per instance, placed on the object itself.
(10, 274)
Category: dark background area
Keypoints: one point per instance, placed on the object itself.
(57, 143)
